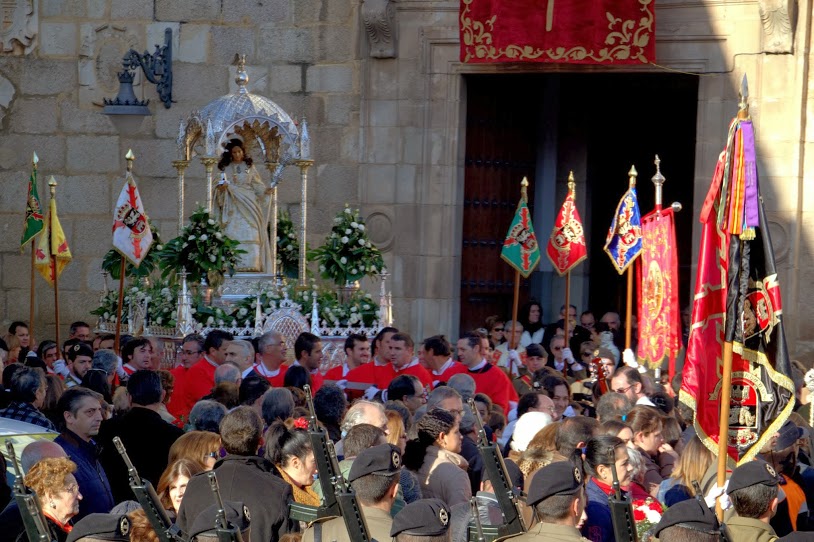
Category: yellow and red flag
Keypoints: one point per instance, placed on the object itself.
(566, 246)
(51, 252)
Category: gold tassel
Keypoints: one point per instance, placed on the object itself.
(748, 234)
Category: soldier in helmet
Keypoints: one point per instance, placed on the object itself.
(753, 491)
(557, 494)
(374, 477)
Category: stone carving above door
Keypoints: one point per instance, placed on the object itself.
(379, 20)
(779, 19)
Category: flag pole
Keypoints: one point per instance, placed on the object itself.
(629, 311)
(52, 184)
(123, 270)
(571, 188)
(726, 376)
(32, 295)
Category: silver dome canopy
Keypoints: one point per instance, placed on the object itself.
(263, 126)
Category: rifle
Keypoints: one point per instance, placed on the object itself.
(624, 529)
(475, 535)
(502, 486)
(226, 532)
(147, 498)
(36, 527)
(339, 499)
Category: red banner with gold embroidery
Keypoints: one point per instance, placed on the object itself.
(559, 31)
(659, 316)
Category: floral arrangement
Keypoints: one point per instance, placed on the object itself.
(202, 250)
(358, 310)
(347, 254)
(288, 245)
(160, 301)
(646, 514)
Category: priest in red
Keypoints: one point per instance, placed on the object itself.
(137, 354)
(200, 378)
(438, 359)
(402, 348)
(191, 353)
(308, 351)
(270, 358)
(357, 353)
(379, 372)
(488, 378)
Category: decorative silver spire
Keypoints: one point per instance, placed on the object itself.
(305, 140)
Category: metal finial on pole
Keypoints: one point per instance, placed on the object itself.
(743, 96)
(572, 184)
(129, 157)
(633, 174)
(524, 184)
(658, 180)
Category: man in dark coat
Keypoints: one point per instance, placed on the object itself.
(144, 434)
(245, 477)
(81, 410)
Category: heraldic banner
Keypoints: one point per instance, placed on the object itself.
(737, 300)
(659, 316)
(559, 31)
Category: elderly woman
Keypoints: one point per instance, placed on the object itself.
(53, 481)
(241, 200)
(173, 483)
(435, 458)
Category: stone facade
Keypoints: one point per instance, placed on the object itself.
(384, 92)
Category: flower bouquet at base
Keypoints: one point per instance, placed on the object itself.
(347, 254)
(646, 514)
(288, 246)
(203, 250)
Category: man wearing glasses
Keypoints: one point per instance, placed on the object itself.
(562, 360)
(270, 358)
(628, 381)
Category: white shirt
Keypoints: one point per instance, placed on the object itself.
(444, 367)
(261, 370)
(411, 364)
(644, 400)
(479, 366)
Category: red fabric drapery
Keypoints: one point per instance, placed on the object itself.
(560, 31)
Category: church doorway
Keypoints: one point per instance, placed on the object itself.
(543, 125)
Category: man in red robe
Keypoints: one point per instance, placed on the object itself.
(308, 351)
(488, 378)
(200, 378)
(404, 363)
(270, 359)
(357, 353)
(377, 374)
(438, 359)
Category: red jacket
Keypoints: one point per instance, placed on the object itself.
(494, 383)
(198, 381)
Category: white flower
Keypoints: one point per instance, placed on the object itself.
(354, 271)
(106, 315)
(343, 260)
(362, 242)
(348, 231)
(345, 240)
(243, 311)
(361, 227)
(367, 244)
(218, 235)
(353, 309)
(159, 320)
(347, 210)
(159, 247)
(210, 222)
(372, 268)
(213, 258)
(191, 238)
(322, 268)
(289, 248)
(337, 220)
(291, 235)
(354, 225)
(210, 321)
(204, 237)
(366, 307)
(193, 311)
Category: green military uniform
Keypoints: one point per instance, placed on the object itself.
(749, 530)
(550, 531)
(378, 522)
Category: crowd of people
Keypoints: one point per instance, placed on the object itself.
(571, 419)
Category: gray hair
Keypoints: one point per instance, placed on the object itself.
(636, 460)
(278, 404)
(463, 384)
(440, 394)
(612, 406)
(206, 416)
(356, 414)
(39, 450)
(105, 360)
(468, 423)
(227, 373)
(268, 338)
(248, 349)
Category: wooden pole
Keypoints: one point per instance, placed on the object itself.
(515, 303)
(723, 427)
(119, 307)
(629, 311)
(566, 314)
(32, 296)
(56, 299)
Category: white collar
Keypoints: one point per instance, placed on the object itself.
(411, 364)
(261, 369)
(444, 367)
(479, 366)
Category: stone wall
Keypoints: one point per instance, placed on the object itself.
(384, 92)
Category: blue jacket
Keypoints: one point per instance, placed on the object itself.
(92, 480)
(599, 526)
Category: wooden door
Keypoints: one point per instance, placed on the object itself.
(501, 132)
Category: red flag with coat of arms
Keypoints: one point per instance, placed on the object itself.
(132, 235)
(566, 247)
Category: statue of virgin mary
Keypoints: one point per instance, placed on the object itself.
(242, 207)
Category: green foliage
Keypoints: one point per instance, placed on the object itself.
(203, 250)
(347, 254)
(288, 246)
